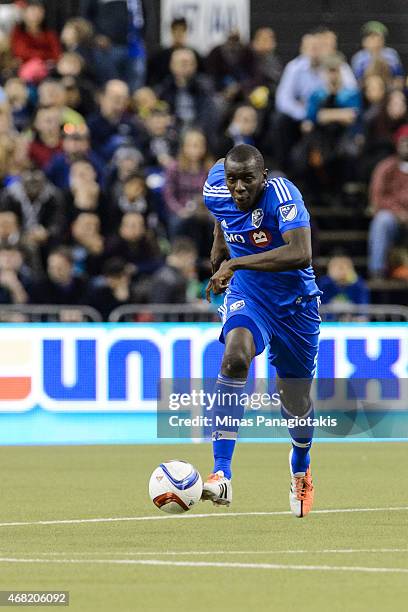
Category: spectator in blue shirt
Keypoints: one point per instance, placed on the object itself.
(325, 158)
(300, 78)
(333, 103)
(374, 50)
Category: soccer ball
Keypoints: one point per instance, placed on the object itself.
(175, 486)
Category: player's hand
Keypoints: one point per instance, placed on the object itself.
(220, 280)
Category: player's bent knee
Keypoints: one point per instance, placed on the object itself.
(236, 364)
(295, 406)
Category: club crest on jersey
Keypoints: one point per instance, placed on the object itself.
(288, 212)
(257, 217)
(237, 305)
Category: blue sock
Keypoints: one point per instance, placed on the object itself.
(302, 438)
(223, 451)
(226, 414)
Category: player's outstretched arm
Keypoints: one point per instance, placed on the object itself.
(296, 254)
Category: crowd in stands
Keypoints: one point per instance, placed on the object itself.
(104, 149)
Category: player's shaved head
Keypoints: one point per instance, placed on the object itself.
(245, 153)
(245, 175)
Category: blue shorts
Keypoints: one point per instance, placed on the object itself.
(293, 339)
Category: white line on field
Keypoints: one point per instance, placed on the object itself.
(192, 516)
(217, 552)
(258, 566)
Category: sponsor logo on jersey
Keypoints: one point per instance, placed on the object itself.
(257, 217)
(224, 224)
(234, 238)
(288, 212)
(260, 238)
(237, 305)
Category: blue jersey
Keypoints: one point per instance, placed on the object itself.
(279, 209)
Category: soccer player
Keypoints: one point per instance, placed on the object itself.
(261, 258)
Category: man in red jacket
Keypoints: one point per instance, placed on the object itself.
(389, 199)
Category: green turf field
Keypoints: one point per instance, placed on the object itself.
(269, 561)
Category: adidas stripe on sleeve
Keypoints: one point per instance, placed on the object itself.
(291, 210)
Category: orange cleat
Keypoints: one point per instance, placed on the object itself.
(301, 493)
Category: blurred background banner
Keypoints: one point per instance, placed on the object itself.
(98, 383)
(209, 21)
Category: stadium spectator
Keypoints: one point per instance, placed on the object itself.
(46, 136)
(61, 285)
(329, 148)
(232, 66)
(30, 39)
(373, 35)
(114, 289)
(79, 90)
(52, 93)
(84, 193)
(10, 230)
(342, 283)
(268, 66)
(300, 78)
(11, 234)
(8, 63)
(389, 201)
(136, 197)
(78, 95)
(126, 161)
(10, 15)
(159, 64)
(135, 244)
(188, 94)
(119, 25)
(144, 100)
(77, 36)
(112, 125)
(162, 137)
(6, 120)
(75, 146)
(374, 91)
(87, 244)
(177, 281)
(184, 179)
(18, 97)
(15, 276)
(13, 157)
(327, 42)
(379, 129)
(242, 129)
(38, 206)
